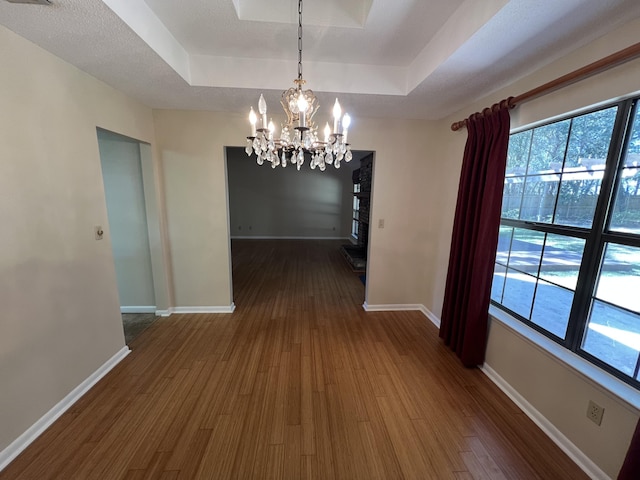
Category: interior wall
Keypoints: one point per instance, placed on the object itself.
(192, 146)
(550, 386)
(285, 202)
(126, 211)
(61, 316)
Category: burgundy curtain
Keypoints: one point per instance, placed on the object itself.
(631, 467)
(475, 235)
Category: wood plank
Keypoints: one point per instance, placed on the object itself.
(299, 382)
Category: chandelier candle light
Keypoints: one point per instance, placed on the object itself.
(300, 134)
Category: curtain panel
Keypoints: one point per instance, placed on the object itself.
(474, 240)
(631, 467)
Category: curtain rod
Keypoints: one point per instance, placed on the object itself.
(594, 68)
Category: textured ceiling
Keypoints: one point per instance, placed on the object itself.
(402, 59)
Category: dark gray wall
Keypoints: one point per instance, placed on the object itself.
(284, 202)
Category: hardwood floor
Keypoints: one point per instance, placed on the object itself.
(299, 382)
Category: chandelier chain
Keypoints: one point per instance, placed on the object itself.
(299, 39)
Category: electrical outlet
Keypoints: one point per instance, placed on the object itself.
(381, 223)
(99, 232)
(595, 412)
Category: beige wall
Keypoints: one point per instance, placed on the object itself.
(556, 391)
(60, 320)
(192, 148)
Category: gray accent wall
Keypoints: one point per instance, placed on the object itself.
(284, 202)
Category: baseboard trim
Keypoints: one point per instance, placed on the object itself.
(128, 309)
(431, 316)
(217, 309)
(391, 307)
(23, 441)
(566, 445)
(233, 237)
(164, 313)
(403, 307)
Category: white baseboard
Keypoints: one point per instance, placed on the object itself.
(233, 237)
(573, 452)
(431, 316)
(23, 441)
(148, 309)
(395, 307)
(403, 307)
(223, 309)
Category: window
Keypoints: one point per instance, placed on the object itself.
(568, 260)
(356, 210)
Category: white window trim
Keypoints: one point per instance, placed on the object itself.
(597, 377)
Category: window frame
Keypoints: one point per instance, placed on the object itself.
(597, 237)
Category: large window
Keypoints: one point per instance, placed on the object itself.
(568, 260)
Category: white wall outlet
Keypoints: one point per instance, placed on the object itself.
(595, 412)
(381, 223)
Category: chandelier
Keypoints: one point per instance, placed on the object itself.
(299, 136)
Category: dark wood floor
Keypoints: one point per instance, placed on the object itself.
(299, 382)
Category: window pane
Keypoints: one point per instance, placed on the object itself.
(584, 167)
(590, 139)
(526, 250)
(498, 283)
(518, 153)
(518, 292)
(504, 244)
(578, 197)
(552, 307)
(561, 260)
(619, 281)
(632, 158)
(626, 211)
(548, 147)
(613, 336)
(539, 198)
(512, 197)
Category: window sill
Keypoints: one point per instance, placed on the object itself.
(592, 374)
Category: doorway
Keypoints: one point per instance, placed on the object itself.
(285, 205)
(120, 159)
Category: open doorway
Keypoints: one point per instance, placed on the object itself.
(357, 253)
(285, 205)
(120, 159)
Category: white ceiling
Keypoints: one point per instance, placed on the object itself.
(400, 58)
